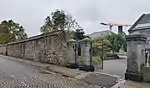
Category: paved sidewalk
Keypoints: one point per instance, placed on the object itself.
(54, 68)
(97, 79)
(15, 74)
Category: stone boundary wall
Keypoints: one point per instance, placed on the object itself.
(3, 50)
(47, 48)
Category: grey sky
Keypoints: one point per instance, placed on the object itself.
(89, 13)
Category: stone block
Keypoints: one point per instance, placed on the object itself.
(133, 76)
(87, 68)
(146, 74)
(73, 65)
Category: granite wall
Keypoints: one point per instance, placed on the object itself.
(3, 49)
(47, 48)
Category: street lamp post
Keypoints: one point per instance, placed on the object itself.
(102, 53)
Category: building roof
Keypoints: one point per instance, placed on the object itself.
(100, 34)
(142, 23)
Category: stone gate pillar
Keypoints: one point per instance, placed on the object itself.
(72, 49)
(86, 55)
(135, 56)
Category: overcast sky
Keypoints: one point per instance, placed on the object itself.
(89, 13)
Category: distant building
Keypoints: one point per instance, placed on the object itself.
(100, 34)
(142, 26)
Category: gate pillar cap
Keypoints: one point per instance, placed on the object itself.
(71, 40)
(136, 36)
(86, 40)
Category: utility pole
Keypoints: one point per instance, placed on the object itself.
(102, 55)
(101, 52)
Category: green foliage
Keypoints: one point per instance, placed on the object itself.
(113, 42)
(124, 42)
(147, 64)
(79, 34)
(96, 60)
(48, 26)
(58, 20)
(80, 60)
(117, 41)
(100, 46)
(11, 31)
(72, 34)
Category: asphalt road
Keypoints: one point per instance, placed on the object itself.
(113, 67)
(14, 74)
(101, 80)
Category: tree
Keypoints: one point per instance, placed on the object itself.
(59, 20)
(48, 26)
(124, 42)
(117, 41)
(72, 34)
(11, 31)
(79, 34)
(100, 45)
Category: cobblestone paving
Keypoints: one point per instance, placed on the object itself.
(19, 75)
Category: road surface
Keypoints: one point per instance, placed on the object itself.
(114, 67)
(15, 74)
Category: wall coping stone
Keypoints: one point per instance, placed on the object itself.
(53, 33)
